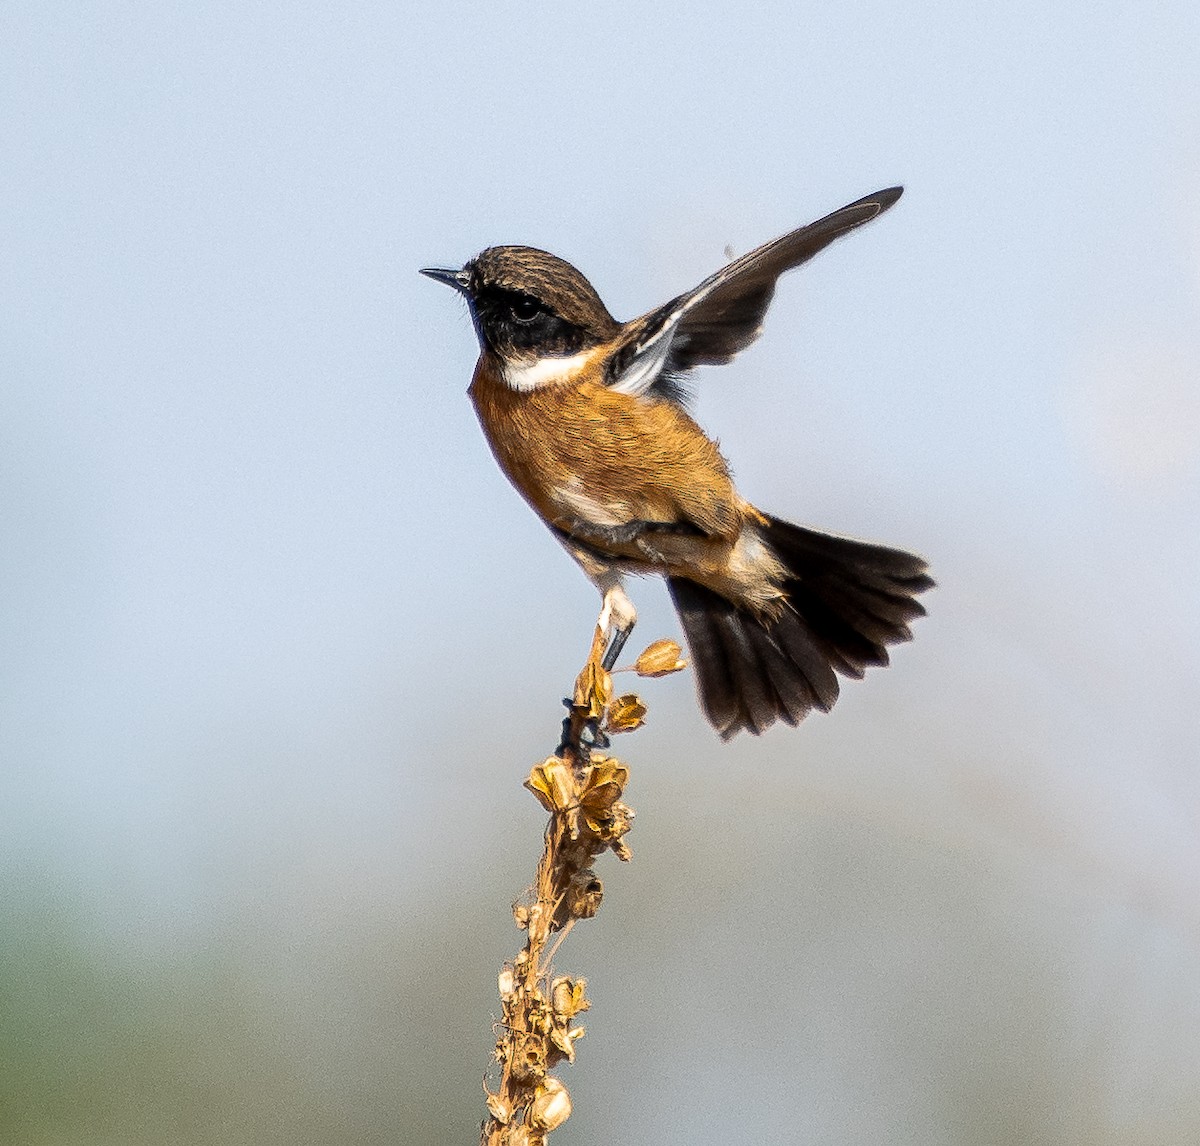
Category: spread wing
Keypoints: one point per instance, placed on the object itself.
(724, 314)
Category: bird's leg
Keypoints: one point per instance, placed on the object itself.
(571, 731)
(614, 648)
(581, 733)
(618, 614)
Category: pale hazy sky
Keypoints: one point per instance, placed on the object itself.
(278, 642)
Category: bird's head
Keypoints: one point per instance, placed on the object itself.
(529, 306)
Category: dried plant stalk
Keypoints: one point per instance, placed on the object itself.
(582, 791)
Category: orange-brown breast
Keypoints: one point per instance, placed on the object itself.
(576, 446)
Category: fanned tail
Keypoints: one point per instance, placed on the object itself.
(846, 602)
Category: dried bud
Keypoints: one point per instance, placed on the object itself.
(507, 982)
(625, 714)
(660, 659)
(551, 1106)
(521, 915)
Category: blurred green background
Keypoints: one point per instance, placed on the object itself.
(278, 644)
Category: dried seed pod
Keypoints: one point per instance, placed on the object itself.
(553, 784)
(551, 1106)
(593, 690)
(603, 786)
(625, 714)
(659, 659)
(568, 996)
(583, 896)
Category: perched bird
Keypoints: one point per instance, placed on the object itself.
(586, 417)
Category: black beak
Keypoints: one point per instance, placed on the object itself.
(459, 280)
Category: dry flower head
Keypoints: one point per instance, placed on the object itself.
(582, 792)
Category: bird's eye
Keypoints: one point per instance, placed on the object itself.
(525, 309)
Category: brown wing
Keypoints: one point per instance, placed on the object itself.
(724, 314)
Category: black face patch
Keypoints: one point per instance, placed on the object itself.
(518, 325)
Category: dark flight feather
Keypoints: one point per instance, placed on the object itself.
(707, 326)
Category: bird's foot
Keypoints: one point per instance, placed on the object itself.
(581, 733)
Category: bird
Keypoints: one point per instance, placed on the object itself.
(588, 418)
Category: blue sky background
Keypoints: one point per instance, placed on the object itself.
(278, 643)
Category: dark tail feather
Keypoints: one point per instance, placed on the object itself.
(846, 602)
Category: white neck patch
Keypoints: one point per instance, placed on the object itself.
(542, 371)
